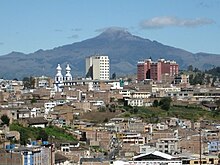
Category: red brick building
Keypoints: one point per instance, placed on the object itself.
(148, 69)
(143, 68)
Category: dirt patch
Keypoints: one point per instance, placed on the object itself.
(99, 117)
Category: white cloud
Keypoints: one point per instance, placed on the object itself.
(58, 30)
(160, 22)
(110, 28)
(75, 36)
(76, 29)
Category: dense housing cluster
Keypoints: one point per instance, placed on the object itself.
(99, 120)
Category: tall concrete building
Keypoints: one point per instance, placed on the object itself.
(97, 67)
(143, 69)
(156, 71)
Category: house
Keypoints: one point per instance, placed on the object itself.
(99, 138)
(160, 126)
(23, 113)
(49, 106)
(67, 147)
(35, 122)
(214, 146)
(167, 145)
(210, 107)
(133, 138)
(136, 102)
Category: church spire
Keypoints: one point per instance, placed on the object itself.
(68, 76)
(59, 76)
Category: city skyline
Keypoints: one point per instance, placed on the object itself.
(31, 25)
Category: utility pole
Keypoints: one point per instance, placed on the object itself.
(200, 147)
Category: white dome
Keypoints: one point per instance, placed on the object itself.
(68, 67)
(59, 67)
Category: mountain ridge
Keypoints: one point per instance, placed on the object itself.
(123, 49)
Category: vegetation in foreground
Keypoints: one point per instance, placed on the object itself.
(164, 108)
(49, 133)
(156, 114)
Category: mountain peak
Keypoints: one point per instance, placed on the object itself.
(116, 33)
(116, 30)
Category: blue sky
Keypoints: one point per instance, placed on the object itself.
(29, 25)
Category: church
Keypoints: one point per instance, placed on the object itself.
(60, 79)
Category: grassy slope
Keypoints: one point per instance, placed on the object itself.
(33, 133)
(154, 114)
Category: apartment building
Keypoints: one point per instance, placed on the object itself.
(97, 67)
(168, 145)
(133, 138)
(157, 71)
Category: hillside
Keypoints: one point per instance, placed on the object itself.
(117, 44)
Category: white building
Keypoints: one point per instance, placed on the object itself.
(59, 79)
(140, 95)
(66, 147)
(49, 107)
(168, 145)
(133, 138)
(151, 158)
(97, 67)
(126, 93)
(136, 102)
(35, 112)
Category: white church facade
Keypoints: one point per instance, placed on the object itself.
(60, 79)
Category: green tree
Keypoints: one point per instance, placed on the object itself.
(42, 135)
(5, 120)
(215, 113)
(105, 120)
(129, 80)
(154, 118)
(207, 79)
(114, 76)
(214, 71)
(191, 78)
(33, 100)
(196, 70)
(23, 137)
(198, 79)
(165, 103)
(190, 68)
(217, 102)
(112, 108)
(213, 81)
(135, 110)
(155, 103)
(102, 109)
(28, 82)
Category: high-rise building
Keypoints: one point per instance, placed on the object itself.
(156, 71)
(143, 69)
(97, 67)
